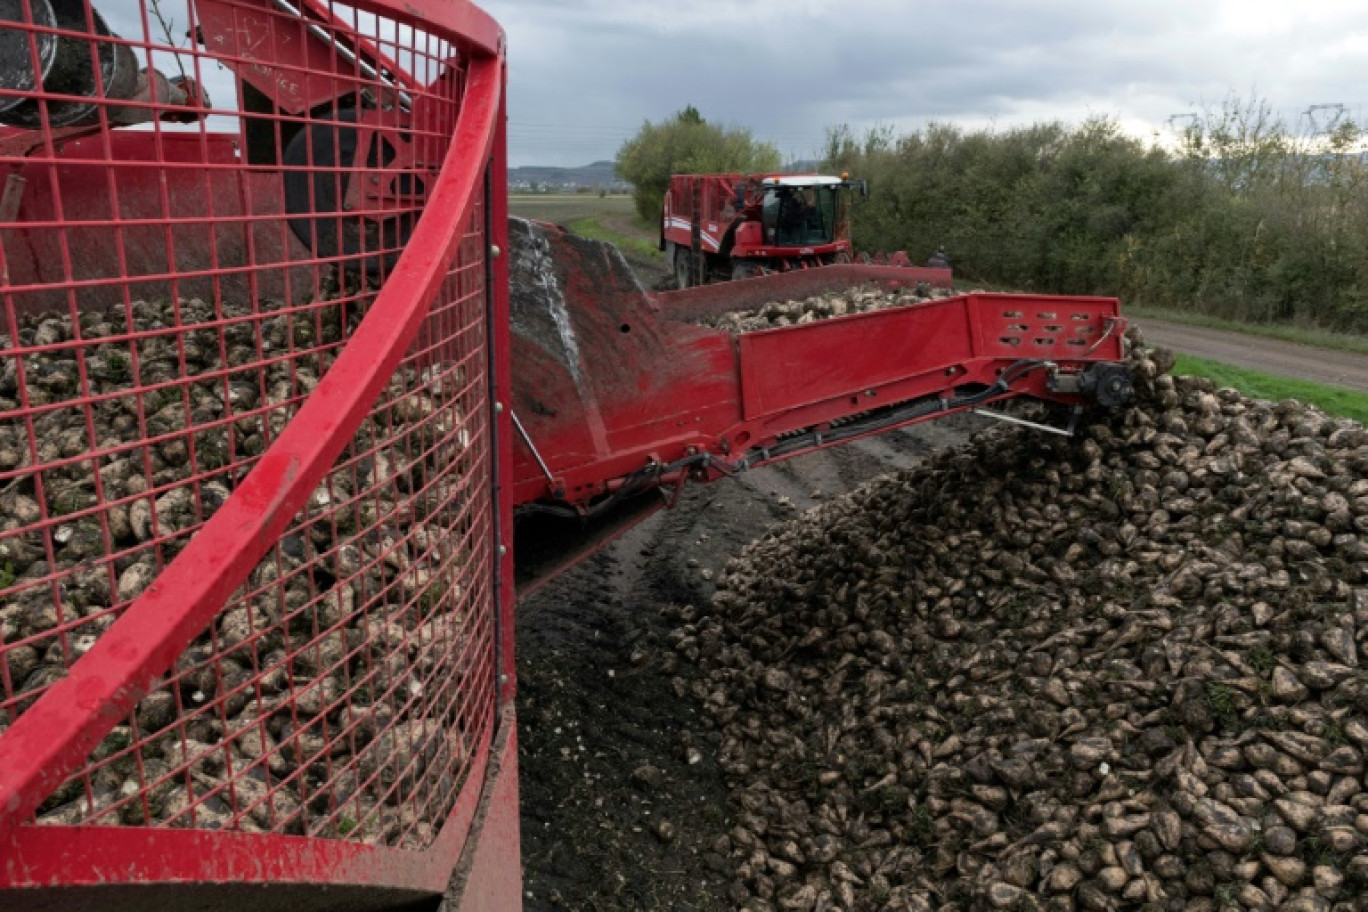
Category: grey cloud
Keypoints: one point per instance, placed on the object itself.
(585, 75)
(790, 76)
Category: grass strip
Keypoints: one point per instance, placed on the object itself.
(593, 229)
(1332, 400)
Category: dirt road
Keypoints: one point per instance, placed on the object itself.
(1271, 356)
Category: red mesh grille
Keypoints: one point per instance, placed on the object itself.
(192, 232)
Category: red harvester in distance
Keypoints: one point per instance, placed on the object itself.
(718, 227)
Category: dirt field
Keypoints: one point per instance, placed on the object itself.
(562, 210)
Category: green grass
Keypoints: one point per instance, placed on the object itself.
(592, 227)
(599, 218)
(1317, 338)
(1331, 399)
(1223, 704)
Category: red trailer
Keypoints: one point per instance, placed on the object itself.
(717, 227)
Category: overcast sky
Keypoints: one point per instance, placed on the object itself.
(584, 75)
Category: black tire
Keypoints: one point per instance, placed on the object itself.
(683, 267)
(313, 198)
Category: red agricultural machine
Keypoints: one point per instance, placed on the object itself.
(278, 382)
(719, 227)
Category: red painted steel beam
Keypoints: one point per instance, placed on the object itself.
(98, 856)
(51, 740)
(501, 392)
(488, 876)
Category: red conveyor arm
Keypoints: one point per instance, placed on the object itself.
(617, 390)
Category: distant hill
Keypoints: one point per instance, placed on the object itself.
(596, 176)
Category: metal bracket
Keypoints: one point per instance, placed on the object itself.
(527, 439)
(1109, 326)
(1034, 425)
(673, 498)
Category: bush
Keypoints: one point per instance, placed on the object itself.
(1243, 220)
(686, 144)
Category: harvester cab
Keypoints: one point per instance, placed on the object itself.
(802, 212)
(718, 227)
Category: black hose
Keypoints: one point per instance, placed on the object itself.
(640, 481)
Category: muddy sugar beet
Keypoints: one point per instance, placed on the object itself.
(1121, 671)
(335, 631)
(859, 299)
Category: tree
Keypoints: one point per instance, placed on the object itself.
(686, 144)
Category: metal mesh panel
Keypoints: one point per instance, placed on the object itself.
(203, 202)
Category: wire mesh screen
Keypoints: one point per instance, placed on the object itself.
(201, 202)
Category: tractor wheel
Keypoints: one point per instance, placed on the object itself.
(683, 268)
(744, 269)
(318, 171)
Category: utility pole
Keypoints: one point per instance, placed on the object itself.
(1323, 118)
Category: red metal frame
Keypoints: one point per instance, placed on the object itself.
(373, 374)
(501, 376)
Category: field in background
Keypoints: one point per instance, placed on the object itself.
(562, 210)
(1316, 338)
(602, 218)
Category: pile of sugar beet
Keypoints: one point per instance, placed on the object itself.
(1119, 671)
(796, 312)
(304, 696)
